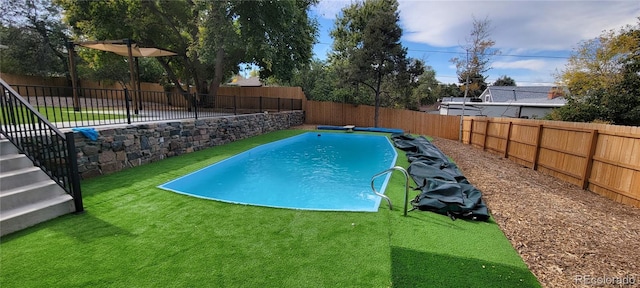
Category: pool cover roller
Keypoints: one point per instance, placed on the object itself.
(365, 129)
(443, 187)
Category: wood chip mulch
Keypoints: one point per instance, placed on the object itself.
(568, 237)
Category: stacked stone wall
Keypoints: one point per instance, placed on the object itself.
(119, 148)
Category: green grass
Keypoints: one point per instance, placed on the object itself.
(65, 114)
(136, 235)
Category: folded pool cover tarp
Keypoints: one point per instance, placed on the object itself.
(444, 189)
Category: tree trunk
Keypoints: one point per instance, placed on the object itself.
(377, 108)
(187, 96)
(218, 73)
(171, 75)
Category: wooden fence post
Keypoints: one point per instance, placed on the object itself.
(506, 144)
(486, 134)
(471, 131)
(537, 152)
(589, 164)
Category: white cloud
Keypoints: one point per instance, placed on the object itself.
(328, 9)
(520, 27)
(535, 65)
(534, 25)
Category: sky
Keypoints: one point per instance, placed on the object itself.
(535, 37)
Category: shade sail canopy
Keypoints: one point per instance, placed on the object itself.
(126, 48)
(123, 50)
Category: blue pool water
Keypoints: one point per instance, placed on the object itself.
(310, 171)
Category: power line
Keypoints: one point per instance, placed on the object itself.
(492, 80)
(497, 55)
(503, 55)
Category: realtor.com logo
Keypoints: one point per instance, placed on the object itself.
(628, 280)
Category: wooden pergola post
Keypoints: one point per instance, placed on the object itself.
(132, 79)
(72, 74)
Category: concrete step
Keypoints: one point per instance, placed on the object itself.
(16, 178)
(12, 162)
(27, 195)
(32, 214)
(7, 148)
(30, 193)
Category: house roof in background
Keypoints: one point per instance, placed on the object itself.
(455, 99)
(520, 94)
(248, 82)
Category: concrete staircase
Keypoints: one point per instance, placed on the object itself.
(27, 195)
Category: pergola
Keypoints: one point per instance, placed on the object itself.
(124, 47)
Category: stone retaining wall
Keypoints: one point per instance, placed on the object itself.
(119, 148)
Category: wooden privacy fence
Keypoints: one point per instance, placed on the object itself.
(331, 113)
(61, 82)
(602, 158)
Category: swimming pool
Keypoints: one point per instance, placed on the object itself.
(310, 171)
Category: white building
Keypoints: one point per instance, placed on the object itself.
(507, 101)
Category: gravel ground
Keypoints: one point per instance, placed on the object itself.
(568, 237)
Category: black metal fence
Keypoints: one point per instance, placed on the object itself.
(47, 147)
(95, 107)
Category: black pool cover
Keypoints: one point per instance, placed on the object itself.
(444, 189)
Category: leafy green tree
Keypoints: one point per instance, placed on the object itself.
(474, 65)
(448, 90)
(602, 78)
(427, 88)
(405, 83)
(321, 82)
(625, 109)
(477, 84)
(35, 37)
(504, 81)
(103, 66)
(150, 70)
(211, 37)
(367, 49)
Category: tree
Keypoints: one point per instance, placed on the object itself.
(626, 108)
(103, 66)
(448, 90)
(211, 37)
(367, 48)
(477, 60)
(35, 37)
(427, 88)
(602, 78)
(318, 81)
(504, 81)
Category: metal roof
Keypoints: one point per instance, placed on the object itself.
(520, 94)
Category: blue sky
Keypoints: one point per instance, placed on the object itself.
(535, 37)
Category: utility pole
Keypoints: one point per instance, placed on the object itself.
(464, 99)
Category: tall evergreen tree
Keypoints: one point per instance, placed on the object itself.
(367, 48)
(505, 80)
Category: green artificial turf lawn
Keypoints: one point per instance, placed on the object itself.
(136, 235)
(57, 114)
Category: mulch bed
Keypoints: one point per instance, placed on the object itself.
(568, 237)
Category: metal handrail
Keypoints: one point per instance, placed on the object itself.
(42, 142)
(406, 186)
